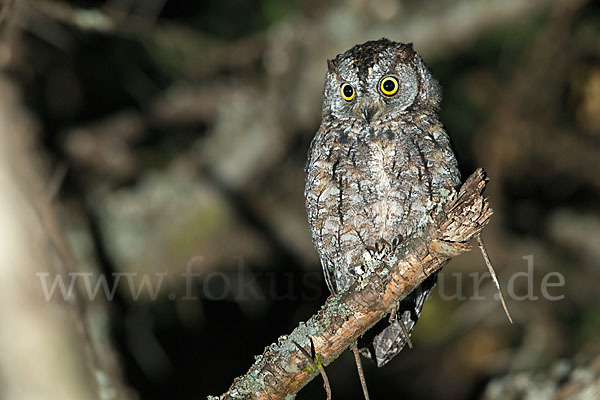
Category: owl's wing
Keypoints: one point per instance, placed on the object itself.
(382, 342)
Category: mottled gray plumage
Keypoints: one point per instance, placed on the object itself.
(377, 167)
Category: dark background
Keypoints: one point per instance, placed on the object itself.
(180, 129)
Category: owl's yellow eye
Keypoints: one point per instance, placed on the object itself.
(348, 92)
(389, 86)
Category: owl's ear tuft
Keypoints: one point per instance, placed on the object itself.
(404, 52)
(429, 88)
(331, 65)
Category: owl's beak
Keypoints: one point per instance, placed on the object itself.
(370, 110)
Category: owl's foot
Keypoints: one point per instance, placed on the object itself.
(396, 241)
(371, 254)
(382, 246)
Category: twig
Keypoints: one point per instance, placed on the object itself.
(406, 334)
(361, 373)
(486, 258)
(316, 365)
(394, 317)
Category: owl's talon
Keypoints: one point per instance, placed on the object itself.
(382, 245)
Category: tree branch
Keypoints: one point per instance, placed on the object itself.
(282, 370)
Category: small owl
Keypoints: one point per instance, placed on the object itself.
(378, 166)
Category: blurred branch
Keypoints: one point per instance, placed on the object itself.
(512, 137)
(85, 19)
(283, 370)
(574, 378)
(116, 18)
(6, 7)
(67, 363)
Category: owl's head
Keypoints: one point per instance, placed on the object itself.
(378, 80)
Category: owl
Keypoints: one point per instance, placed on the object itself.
(377, 168)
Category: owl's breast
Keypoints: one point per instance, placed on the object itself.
(372, 184)
(393, 195)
